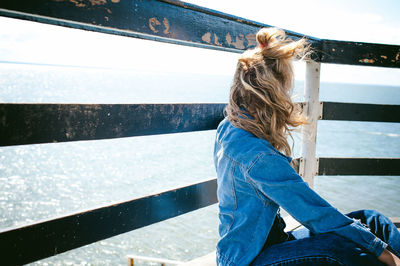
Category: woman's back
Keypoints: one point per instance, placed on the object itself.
(246, 215)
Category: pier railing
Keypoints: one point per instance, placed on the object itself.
(184, 24)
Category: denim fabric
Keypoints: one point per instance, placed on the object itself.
(254, 179)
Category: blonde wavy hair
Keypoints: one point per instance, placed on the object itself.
(260, 97)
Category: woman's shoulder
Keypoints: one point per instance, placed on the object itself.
(241, 145)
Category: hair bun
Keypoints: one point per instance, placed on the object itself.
(268, 36)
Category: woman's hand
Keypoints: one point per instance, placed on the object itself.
(389, 258)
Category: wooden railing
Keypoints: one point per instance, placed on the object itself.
(179, 23)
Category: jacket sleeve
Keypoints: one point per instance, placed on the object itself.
(273, 176)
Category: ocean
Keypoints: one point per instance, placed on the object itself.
(44, 181)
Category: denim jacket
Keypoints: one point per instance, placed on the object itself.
(254, 179)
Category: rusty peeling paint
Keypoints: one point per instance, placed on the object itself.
(115, 1)
(153, 22)
(367, 61)
(98, 2)
(239, 43)
(228, 39)
(108, 11)
(206, 37)
(239, 40)
(83, 3)
(77, 3)
(384, 56)
(216, 42)
(106, 18)
(251, 39)
(166, 25)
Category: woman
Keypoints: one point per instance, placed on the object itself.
(255, 177)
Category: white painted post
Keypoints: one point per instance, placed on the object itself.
(313, 110)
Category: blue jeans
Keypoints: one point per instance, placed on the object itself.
(303, 248)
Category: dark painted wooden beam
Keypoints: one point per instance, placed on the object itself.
(47, 123)
(359, 166)
(41, 240)
(166, 21)
(361, 112)
(182, 23)
(359, 53)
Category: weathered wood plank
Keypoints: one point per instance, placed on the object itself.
(359, 166)
(166, 21)
(360, 112)
(134, 258)
(359, 53)
(182, 23)
(206, 260)
(47, 123)
(38, 241)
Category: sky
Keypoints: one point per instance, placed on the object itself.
(356, 20)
